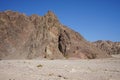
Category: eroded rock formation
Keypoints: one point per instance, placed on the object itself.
(30, 37)
(108, 46)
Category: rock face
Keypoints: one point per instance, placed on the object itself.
(108, 46)
(30, 37)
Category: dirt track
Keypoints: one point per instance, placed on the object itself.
(96, 69)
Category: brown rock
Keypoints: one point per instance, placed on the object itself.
(108, 46)
(23, 37)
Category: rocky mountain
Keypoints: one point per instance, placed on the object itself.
(31, 37)
(108, 46)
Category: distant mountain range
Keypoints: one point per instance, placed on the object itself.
(37, 37)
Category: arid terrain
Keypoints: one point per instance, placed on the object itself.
(30, 37)
(82, 69)
(41, 48)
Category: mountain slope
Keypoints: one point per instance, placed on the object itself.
(30, 37)
(108, 46)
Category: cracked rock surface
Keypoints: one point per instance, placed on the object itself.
(36, 37)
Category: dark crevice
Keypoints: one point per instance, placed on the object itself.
(63, 42)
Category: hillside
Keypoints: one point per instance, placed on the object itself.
(31, 37)
(109, 47)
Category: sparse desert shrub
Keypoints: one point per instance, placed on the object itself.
(40, 65)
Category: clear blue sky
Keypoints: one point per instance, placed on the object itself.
(94, 19)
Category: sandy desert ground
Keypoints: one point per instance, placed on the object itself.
(95, 69)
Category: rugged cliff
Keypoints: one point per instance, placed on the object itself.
(108, 46)
(30, 37)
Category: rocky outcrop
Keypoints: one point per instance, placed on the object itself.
(30, 37)
(108, 46)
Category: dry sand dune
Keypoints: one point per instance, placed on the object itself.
(95, 69)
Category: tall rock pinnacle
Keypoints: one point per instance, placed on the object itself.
(51, 14)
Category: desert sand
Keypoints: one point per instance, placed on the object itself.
(94, 69)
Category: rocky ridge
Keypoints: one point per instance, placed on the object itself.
(109, 47)
(31, 37)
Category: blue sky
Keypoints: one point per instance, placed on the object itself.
(94, 19)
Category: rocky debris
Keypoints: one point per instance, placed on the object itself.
(31, 37)
(108, 46)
